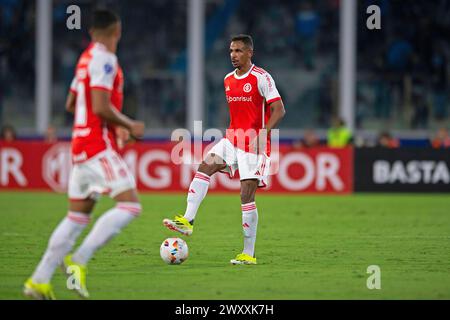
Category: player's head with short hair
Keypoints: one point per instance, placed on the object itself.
(105, 23)
(244, 38)
(241, 50)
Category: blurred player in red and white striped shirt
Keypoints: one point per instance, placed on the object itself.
(95, 97)
(255, 108)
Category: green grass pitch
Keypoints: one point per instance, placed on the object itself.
(308, 247)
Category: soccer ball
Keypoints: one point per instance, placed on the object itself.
(174, 251)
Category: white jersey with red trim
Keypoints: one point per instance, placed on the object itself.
(249, 97)
(99, 69)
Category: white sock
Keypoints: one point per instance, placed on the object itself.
(196, 194)
(59, 245)
(106, 227)
(249, 226)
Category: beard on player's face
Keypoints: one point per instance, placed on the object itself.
(240, 54)
(240, 62)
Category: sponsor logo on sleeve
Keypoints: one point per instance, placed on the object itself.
(108, 68)
(269, 82)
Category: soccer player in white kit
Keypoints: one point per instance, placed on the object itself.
(255, 108)
(95, 98)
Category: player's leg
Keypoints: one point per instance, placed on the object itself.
(60, 244)
(63, 237)
(109, 225)
(196, 193)
(249, 221)
(112, 174)
(219, 158)
(253, 170)
(199, 185)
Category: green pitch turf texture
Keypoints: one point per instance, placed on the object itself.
(308, 247)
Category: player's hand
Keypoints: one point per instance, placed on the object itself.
(123, 136)
(258, 145)
(137, 129)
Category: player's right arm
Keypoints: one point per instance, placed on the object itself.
(70, 102)
(101, 106)
(72, 96)
(102, 71)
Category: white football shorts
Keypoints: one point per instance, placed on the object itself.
(250, 165)
(105, 173)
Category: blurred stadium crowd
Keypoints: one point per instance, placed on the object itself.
(402, 69)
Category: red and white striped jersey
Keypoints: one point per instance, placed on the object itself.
(249, 97)
(97, 68)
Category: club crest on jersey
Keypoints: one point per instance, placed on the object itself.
(247, 87)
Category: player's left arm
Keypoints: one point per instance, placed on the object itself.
(277, 113)
(269, 91)
(72, 96)
(70, 102)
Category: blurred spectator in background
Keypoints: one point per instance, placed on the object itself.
(441, 139)
(327, 92)
(8, 134)
(412, 45)
(1, 100)
(310, 140)
(339, 135)
(50, 135)
(420, 107)
(439, 82)
(307, 26)
(399, 54)
(385, 140)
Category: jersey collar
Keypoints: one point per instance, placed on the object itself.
(244, 75)
(99, 45)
